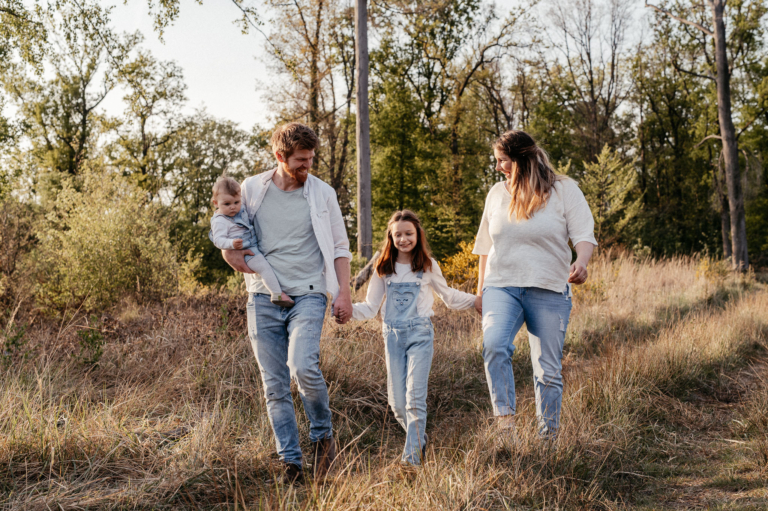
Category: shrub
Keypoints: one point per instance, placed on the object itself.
(460, 269)
(17, 238)
(103, 241)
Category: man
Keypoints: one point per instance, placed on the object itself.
(302, 235)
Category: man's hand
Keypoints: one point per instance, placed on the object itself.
(479, 304)
(238, 244)
(236, 259)
(578, 273)
(342, 307)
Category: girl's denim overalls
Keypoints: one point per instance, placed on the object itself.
(409, 340)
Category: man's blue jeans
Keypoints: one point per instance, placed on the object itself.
(545, 314)
(287, 345)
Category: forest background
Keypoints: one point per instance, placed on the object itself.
(95, 205)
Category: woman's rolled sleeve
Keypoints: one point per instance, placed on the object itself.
(483, 241)
(578, 216)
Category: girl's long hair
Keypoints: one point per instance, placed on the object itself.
(533, 176)
(422, 257)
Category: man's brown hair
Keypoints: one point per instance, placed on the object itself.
(291, 137)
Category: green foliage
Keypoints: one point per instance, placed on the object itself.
(14, 346)
(153, 101)
(21, 32)
(609, 185)
(201, 150)
(101, 242)
(17, 224)
(91, 343)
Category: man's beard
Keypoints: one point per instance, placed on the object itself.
(299, 174)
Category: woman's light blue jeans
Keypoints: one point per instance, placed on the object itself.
(287, 345)
(545, 314)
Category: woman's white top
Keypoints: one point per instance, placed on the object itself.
(533, 252)
(430, 281)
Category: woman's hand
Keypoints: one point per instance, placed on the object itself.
(479, 304)
(578, 273)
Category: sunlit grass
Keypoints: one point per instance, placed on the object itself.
(173, 415)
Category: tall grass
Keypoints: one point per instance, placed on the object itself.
(173, 415)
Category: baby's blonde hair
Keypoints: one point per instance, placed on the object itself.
(225, 184)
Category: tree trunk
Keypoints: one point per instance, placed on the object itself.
(364, 222)
(730, 149)
(362, 277)
(725, 215)
(314, 72)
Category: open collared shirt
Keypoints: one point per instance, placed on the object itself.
(327, 222)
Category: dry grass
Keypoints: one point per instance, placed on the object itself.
(173, 415)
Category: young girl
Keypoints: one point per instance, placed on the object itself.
(231, 229)
(405, 277)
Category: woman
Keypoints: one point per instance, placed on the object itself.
(526, 271)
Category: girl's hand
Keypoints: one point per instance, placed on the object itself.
(479, 304)
(578, 273)
(237, 244)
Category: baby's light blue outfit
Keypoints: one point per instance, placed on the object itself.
(225, 229)
(409, 339)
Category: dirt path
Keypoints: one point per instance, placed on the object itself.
(712, 457)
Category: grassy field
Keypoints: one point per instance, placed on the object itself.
(665, 407)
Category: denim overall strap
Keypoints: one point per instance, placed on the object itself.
(401, 300)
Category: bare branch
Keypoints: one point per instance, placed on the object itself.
(718, 137)
(750, 123)
(681, 20)
(692, 73)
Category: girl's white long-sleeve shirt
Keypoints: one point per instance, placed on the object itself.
(430, 281)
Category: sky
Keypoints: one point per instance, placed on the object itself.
(223, 68)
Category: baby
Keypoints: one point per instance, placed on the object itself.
(231, 229)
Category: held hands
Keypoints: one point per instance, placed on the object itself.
(237, 244)
(578, 273)
(342, 308)
(479, 304)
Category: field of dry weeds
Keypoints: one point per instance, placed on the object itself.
(665, 407)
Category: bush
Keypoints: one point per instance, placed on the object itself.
(17, 220)
(103, 241)
(460, 269)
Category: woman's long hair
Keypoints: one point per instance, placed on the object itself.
(422, 257)
(533, 176)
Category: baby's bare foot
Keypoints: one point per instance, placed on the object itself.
(283, 301)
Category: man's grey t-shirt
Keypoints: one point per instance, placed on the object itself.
(287, 240)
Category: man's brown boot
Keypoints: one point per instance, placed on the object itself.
(291, 474)
(324, 452)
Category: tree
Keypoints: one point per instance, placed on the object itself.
(728, 135)
(590, 37)
(313, 51)
(202, 149)
(609, 185)
(59, 114)
(153, 102)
